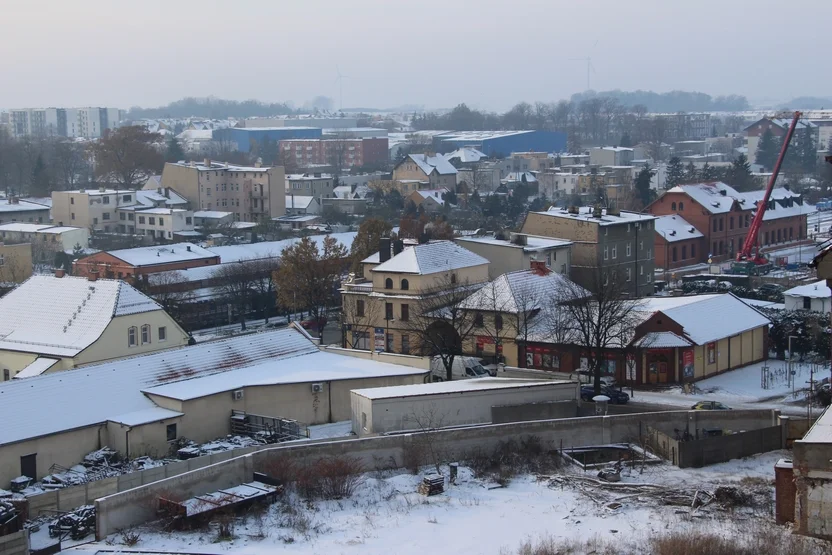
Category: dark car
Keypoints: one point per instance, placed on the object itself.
(313, 325)
(771, 288)
(617, 397)
(709, 405)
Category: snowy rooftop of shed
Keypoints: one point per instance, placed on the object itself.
(431, 258)
(21, 206)
(211, 214)
(456, 386)
(816, 290)
(64, 316)
(821, 430)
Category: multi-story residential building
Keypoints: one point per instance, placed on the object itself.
(609, 245)
(482, 176)
(253, 194)
(95, 209)
(377, 305)
(63, 122)
(519, 251)
(58, 238)
(15, 264)
(685, 126)
(13, 209)
(778, 127)
(611, 156)
(425, 168)
(159, 223)
(538, 161)
(338, 152)
(723, 216)
(556, 185)
(317, 185)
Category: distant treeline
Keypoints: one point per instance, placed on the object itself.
(673, 101)
(808, 103)
(211, 108)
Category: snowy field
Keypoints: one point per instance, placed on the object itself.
(477, 516)
(743, 388)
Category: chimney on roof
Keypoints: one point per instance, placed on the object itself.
(398, 246)
(59, 273)
(14, 200)
(189, 248)
(102, 189)
(538, 267)
(207, 162)
(93, 276)
(384, 249)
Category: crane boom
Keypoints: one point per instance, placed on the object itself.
(757, 222)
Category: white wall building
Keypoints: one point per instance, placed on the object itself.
(814, 296)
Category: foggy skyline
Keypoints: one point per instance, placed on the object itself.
(489, 54)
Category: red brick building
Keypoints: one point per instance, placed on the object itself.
(131, 264)
(678, 242)
(778, 127)
(723, 216)
(345, 152)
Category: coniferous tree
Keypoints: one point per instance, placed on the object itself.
(626, 140)
(174, 151)
(691, 174)
(40, 179)
(642, 185)
(808, 151)
(739, 175)
(708, 173)
(767, 150)
(675, 172)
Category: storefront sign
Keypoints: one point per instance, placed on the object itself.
(687, 363)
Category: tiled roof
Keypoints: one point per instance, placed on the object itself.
(64, 316)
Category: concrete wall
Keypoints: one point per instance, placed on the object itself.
(136, 506)
(16, 543)
(705, 451)
(414, 412)
(546, 410)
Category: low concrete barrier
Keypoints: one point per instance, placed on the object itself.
(16, 543)
(137, 506)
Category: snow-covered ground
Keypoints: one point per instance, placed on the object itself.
(475, 516)
(743, 388)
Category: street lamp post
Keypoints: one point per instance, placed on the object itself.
(791, 370)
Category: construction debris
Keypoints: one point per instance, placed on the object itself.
(77, 525)
(433, 484)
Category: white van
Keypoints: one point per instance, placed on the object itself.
(463, 368)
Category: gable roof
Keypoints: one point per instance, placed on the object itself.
(431, 258)
(521, 291)
(63, 316)
(435, 195)
(716, 197)
(430, 163)
(466, 155)
(783, 123)
(719, 198)
(116, 390)
(674, 228)
(298, 202)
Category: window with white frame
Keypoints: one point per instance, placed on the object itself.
(163, 333)
(606, 253)
(614, 252)
(145, 334)
(629, 249)
(132, 333)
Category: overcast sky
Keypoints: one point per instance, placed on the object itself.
(489, 53)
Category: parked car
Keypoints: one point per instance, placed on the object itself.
(585, 376)
(616, 396)
(709, 405)
(314, 325)
(771, 288)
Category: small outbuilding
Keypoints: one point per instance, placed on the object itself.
(383, 410)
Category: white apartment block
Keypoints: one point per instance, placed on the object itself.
(88, 122)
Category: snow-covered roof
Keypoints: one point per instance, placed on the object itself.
(614, 148)
(46, 201)
(211, 214)
(533, 244)
(161, 211)
(821, 430)
(522, 291)
(20, 206)
(707, 318)
(585, 213)
(64, 316)
(456, 386)
(431, 258)
(433, 194)
(518, 177)
(816, 290)
(196, 135)
(115, 390)
(273, 249)
(719, 198)
(675, 228)
(307, 176)
(430, 163)
(150, 256)
(466, 155)
(23, 227)
(783, 123)
(662, 340)
(298, 201)
(36, 368)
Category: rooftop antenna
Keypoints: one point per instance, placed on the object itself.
(339, 80)
(589, 66)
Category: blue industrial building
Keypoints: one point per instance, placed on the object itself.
(241, 138)
(501, 143)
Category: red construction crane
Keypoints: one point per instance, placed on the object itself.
(757, 222)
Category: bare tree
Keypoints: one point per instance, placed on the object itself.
(72, 164)
(441, 321)
(169, 289)
(235, 283)
(127, 156)
(596, 323)
(264, 284)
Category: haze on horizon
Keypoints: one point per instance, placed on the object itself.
(489, 54)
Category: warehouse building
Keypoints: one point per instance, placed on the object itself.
(241, 138)
(143, 405)
(458, 403)
(502, 143)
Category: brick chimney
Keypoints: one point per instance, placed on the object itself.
(539, 268)
(93, 275)
(60, 272)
